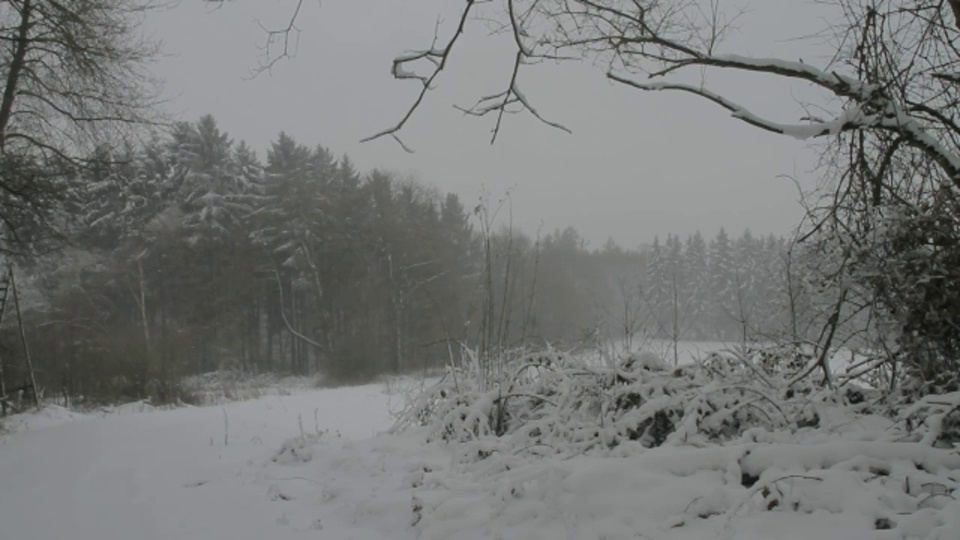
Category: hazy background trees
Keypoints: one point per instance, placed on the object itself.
(192, 254)
(188, 252)
(881, 231)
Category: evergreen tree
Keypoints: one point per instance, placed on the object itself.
(658, 286)
(723, 285)
(696, 292)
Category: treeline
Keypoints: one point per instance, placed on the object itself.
(747, 288)
(189, 254)
(741, 289)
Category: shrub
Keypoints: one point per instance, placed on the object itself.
(551, 401)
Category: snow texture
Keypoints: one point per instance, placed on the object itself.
(317, 464)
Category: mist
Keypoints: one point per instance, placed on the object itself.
(513, 269)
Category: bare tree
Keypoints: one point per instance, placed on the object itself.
(894, 74)
(74, 84)
(894, 71)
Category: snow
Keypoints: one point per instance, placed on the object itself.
(796, 69)
(196, 472)
(324, 464)
(225, 386)
(50, 416)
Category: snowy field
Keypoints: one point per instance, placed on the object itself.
(316, 464)
(688, 352)
(197, 473)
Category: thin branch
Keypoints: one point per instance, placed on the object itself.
(439, 57)
(283, 35)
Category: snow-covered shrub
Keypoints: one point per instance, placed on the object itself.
(299, 449)
(911, 266)
(732, 444)
(935, 420)
(553, 402)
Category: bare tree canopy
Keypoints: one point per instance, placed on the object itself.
(886, 222)
(74, 82)
(894, 67)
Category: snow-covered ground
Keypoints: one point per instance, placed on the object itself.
(315, 464)
(688, 352)
(190, 473)
(219, 387)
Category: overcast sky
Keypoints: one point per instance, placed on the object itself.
(636, 165)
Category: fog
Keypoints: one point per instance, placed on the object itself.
(636, 165)
(698, 282)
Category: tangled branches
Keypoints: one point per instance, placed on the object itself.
(554, 403)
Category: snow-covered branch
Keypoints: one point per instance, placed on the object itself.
(884, 114)
(848, 120)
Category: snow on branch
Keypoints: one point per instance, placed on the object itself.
(837, 83)
(851, 118)
(654, 39)
(868, 106)
(896, 120)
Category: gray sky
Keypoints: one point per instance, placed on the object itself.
(635, 166)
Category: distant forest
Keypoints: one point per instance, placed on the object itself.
(190, 254)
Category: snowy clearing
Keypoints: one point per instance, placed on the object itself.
(316, 465)
(200, 472)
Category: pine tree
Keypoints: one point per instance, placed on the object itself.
(723, 285)
(747, 276)
(658, 286)
(696, 290)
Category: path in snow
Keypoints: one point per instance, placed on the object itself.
(171, 475)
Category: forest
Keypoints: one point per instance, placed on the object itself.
(190, 254)
(421, 366)
(149, 248)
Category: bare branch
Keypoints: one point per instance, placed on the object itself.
(439, 57)
(287, 37)
(497, 103)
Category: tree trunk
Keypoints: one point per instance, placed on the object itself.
(143, 308)
(955, 6)
(676, 322)
(17, 62)
(23, 340)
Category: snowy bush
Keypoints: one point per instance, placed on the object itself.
(715, 447)
(935, 420)
(910, 264)
(299, 449)
(552, 402)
